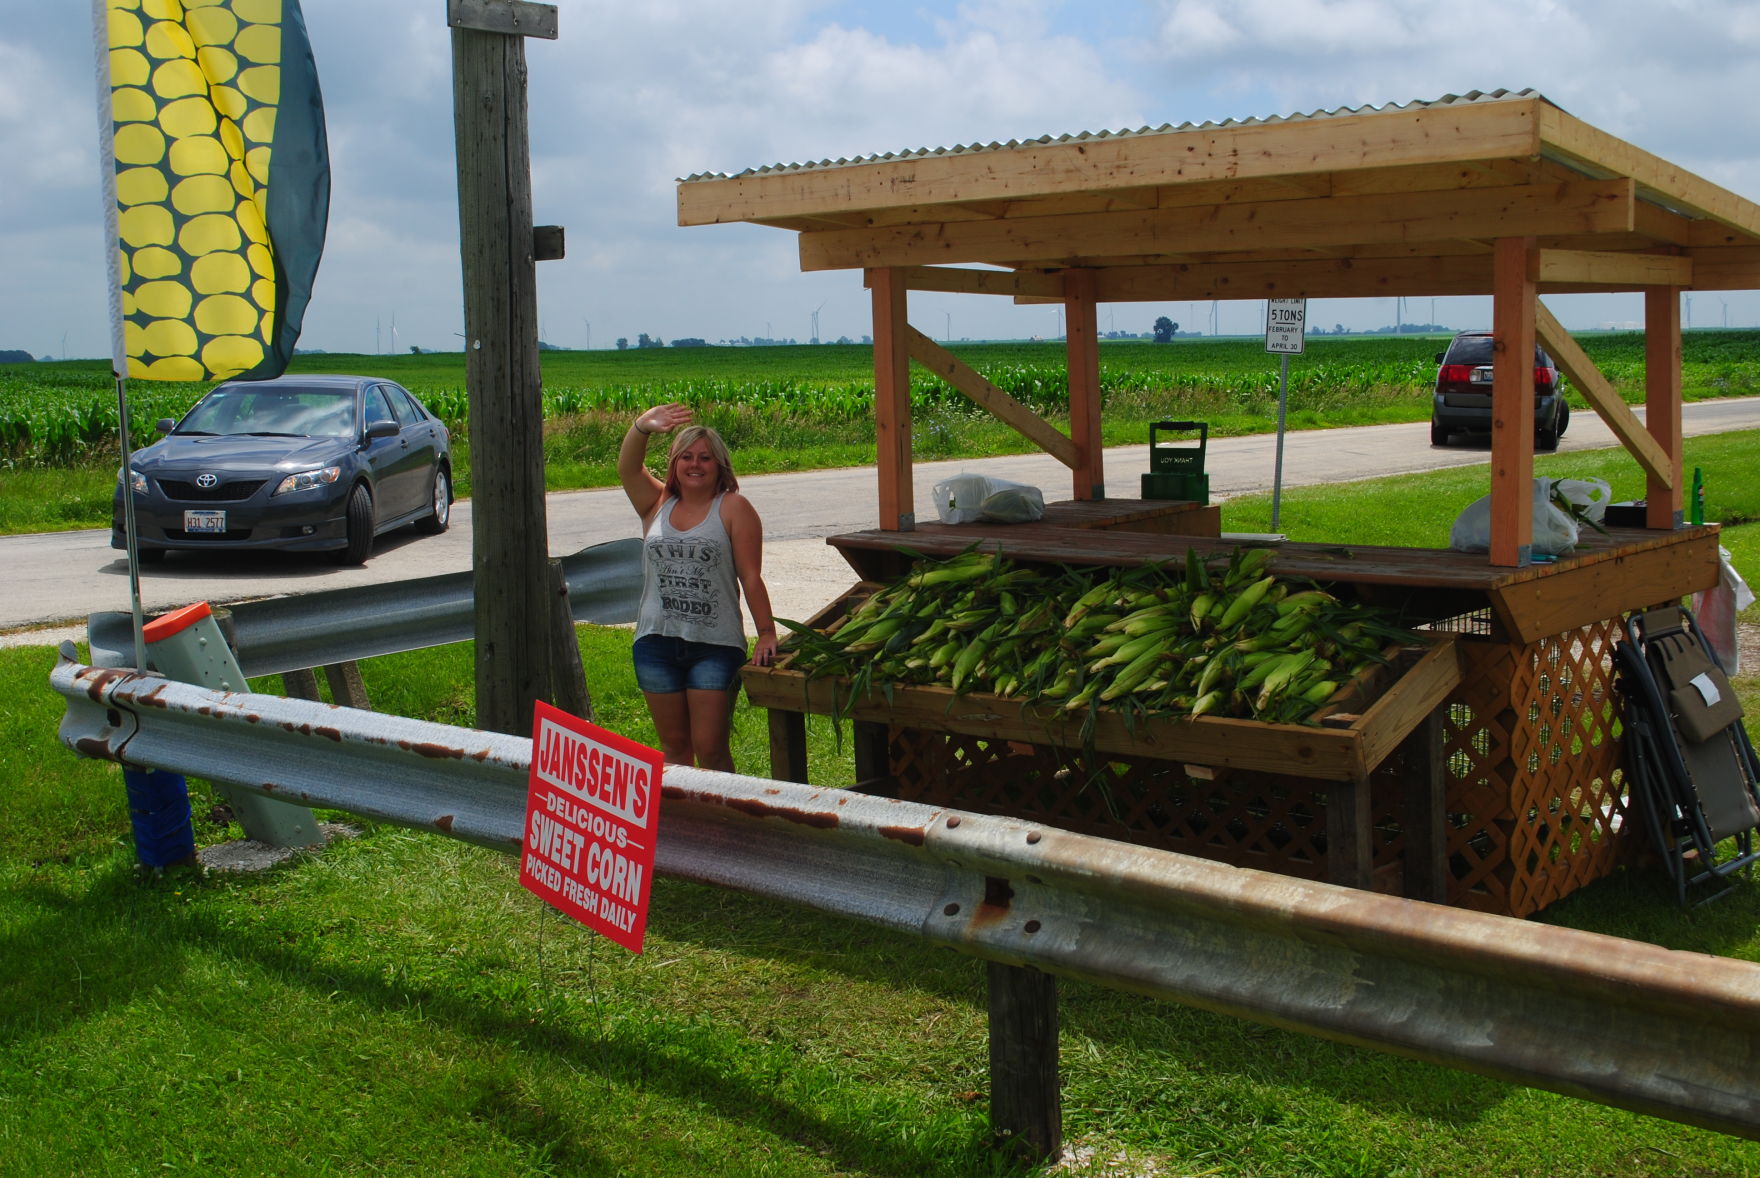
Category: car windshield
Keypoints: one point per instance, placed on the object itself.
(292, 412)
(1478, 349)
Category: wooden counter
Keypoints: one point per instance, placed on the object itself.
(1493, 781)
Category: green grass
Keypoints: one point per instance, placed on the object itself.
(399, 1005)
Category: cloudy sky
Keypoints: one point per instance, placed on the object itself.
(637, 93)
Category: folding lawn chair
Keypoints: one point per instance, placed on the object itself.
(1693, 770)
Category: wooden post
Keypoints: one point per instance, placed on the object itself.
(1662, 401)
(1514, 264)
(892, 399)
(788, 745)
(1082, 352)
(1026, 1111)
(515, 623)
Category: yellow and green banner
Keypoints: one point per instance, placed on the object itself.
(217, 174)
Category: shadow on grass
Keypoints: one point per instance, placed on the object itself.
(123, 939)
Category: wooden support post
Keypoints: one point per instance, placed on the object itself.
(1348, 837)
(300, 683)
(1082, 353)
(788, 745)
(346, 685)
(1425, 820)
(1026, 1111)
(1662, 402)
(1514, 264)
(873, 759)
(568, 679)
(892, 399)
(515, 624)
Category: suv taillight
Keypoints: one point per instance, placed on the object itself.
(1542, 378)
(1456, 373)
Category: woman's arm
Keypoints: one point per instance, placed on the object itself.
(639, 483)
(746, 532)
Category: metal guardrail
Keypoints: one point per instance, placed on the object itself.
(343, 625)
(1663, 1032)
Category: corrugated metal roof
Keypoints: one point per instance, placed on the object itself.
(1474, 96)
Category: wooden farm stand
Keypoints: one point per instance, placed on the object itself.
(1488, 773)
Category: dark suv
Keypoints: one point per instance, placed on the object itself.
(1463, 392)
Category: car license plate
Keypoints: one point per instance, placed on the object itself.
(1482, 374)
(204, 521)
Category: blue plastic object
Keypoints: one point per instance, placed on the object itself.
(158, 806)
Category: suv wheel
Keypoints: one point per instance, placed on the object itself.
(1546, 439)
(1438, 434)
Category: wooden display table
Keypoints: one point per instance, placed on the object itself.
(1486, 773)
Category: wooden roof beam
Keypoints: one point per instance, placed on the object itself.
(1596, 150)
(1378, 139)
(1605, 206)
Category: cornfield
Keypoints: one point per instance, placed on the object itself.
(64, 413)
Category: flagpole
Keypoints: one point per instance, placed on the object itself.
(134, 552)
(118, 349)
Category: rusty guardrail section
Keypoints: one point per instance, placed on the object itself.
(1663, 1032)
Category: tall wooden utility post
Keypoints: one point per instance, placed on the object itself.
(517, 627)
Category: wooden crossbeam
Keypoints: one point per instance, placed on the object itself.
(513, 18)
(1602, 206)
(1616, 270)
(1727, 268)
(972, 383)
(956, 280)
(1581, 372)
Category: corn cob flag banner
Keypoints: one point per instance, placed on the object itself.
(217, 183)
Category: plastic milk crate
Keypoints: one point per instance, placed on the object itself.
(1177, 471)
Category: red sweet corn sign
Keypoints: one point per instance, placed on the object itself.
(592, 810)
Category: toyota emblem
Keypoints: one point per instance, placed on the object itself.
(206, 481)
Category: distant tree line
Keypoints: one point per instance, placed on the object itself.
(13, 356)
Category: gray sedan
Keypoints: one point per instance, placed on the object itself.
(298, 463)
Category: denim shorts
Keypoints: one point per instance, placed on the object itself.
(665, 664)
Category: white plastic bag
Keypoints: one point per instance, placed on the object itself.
(1592, 495)
(1555, 532)
(971, 498)
(1715, 610)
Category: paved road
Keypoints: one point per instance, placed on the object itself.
(56, 579)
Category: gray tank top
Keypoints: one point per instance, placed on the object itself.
(689, 589)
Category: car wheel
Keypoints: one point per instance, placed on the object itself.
(441, 501)
(1564, 418)
(1438, 434)
(360, 528)
(1546, 439)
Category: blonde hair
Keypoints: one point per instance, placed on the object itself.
(689, 436)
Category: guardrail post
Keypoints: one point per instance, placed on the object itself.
(187, 644)
(1026, 1110)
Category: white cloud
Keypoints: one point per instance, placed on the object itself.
(632, 96)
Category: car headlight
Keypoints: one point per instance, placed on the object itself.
(307, 480)
(136, 480)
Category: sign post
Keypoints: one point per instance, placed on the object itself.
(1286, 322)
(592, 810)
